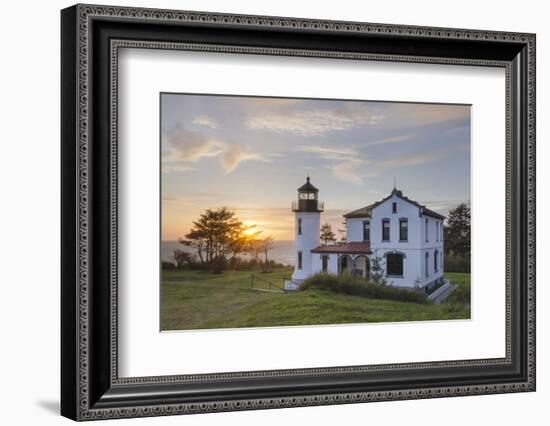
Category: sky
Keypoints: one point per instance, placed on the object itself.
(250, 154)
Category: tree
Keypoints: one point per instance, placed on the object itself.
(182, 257)
(327, 236)
(259, 247)
(457, 231)
(217, 236)
(267, 244)
(377, 273)
(343, 233)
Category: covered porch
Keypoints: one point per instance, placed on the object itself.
(354, 265)
(352, 258)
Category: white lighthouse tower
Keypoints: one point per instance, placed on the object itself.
(307, 228)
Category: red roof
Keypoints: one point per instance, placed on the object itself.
(348, 248)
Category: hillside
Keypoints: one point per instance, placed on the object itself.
(201, 300)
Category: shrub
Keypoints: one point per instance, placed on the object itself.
(243, 264)
(218, 265)
(183, 258)
(168, 265)
(360, 287)
(455, 263)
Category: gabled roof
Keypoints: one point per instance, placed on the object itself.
(363, 211)
(347, 248)
(366, 211)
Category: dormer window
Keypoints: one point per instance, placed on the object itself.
(394, 207)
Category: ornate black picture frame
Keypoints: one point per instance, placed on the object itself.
(91, 37)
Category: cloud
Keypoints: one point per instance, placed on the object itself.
(204, 120)
(176, 167)
(236, 154)
(414, 159)
(314, 122)
(323, 117)
(346, 161)
(180, 144)
(348, 171)
(329, 153)
(181, 147)
(426, 114)
(391, 139)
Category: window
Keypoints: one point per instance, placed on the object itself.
(426, 230)
(403, 229)
(394, 264)
(307, 196)
(427, 263)
(366, 230)
(300, 226)
(385, 229)
(299, 260)
(435, 261)
(394, 207)
(325, 263)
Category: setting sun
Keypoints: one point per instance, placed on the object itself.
(251, 230)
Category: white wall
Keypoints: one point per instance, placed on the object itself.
(305, 242)
(354, 229)
(414, 248)
(317, 263)
(29, 218)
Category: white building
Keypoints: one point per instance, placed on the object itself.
(406, 237)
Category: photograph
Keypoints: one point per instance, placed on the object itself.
(304, 212)
(268, 209)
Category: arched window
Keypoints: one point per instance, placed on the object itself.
(394, 264)
(435, 261)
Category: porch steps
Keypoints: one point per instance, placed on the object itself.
(441, 293)
(291, 285)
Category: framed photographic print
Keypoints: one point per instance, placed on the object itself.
(263, 212)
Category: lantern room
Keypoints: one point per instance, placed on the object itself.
(307, 199)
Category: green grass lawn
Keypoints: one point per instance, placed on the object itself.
(201, 300)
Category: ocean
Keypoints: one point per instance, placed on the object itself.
(282, 251)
